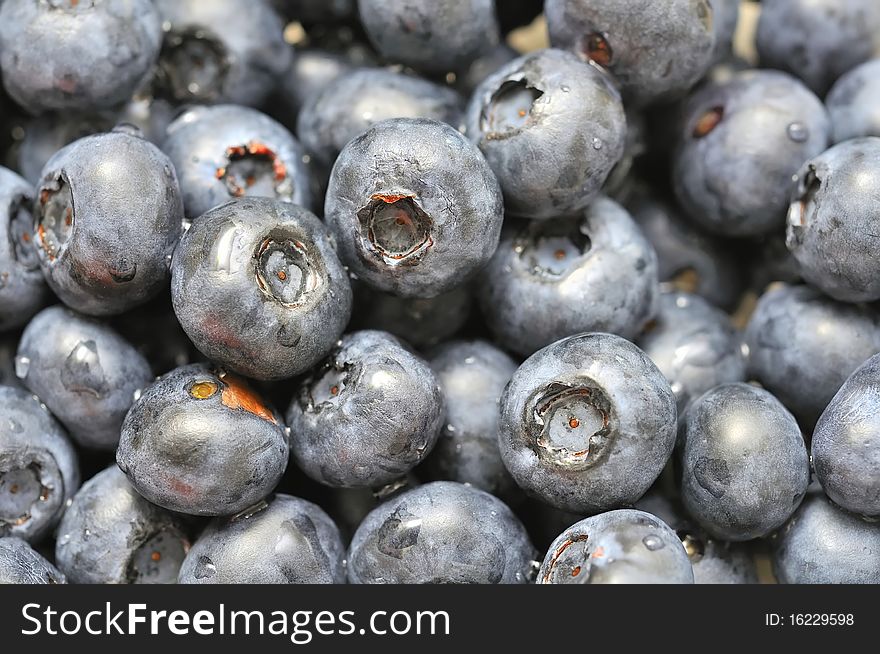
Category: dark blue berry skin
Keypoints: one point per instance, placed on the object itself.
(112, 535)
(625, 37)
(852, 103)
(282, 540)
(22, 288)
(108, 215)
(551, 279)
(20, 564)
(552, 108)
(352, 104)
(225, 152)
(823, 544)
(220, 52)
(442, 532)
(739, 144)
(366, 416)
(312, 71)
(846, 442)
(256, 285)
(803, 346)
(414, 206)
(435, 37)
(472, 376)
(694, 345)
(818, 40)
(76, 56)
(587, 423)
(200, 441)
(832, 217)
(744, 463)
(39, 469)
(85, 372)
(618, 547)
(725, 17)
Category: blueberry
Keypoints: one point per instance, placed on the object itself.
(60, 55)
(725, 17)
(434, 37)
(108, 216)
(282, 540)
(442, 532)
(39, 470)
(587, 423)
(20, 564)
(422, 322)
(312, 71)
(832, 217)
(220, 51)
(818, 40)
(366, 416)
(352, 104)
(552, 128)
(225, 152)
(414, 206)
(472, 376)
(617, 547)
(551, 279)
(201, 441)
(22, 289)
(741, 141)
(803, 346)
(85, 372)
(822, 544)
(852, 103)
(694, 346)
(744, 463)
(257, 287)
(655, 50)
(846, 442)
(112, 535)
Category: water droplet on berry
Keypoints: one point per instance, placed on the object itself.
(22, 366)
(798, 132)
(653, 543)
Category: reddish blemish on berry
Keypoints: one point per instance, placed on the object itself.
(597, 49)
(574, 423)
(236, 394)
(575, 571)
(708, 122)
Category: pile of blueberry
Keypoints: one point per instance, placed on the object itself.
(603, 310)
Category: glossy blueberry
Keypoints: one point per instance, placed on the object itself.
(112, 535)
(818, 40)
(225, 152)
(654, 49)
(421, 322)
(76, 55)
(352, 104)
(282, 540)
(552, 128)
(367, 415)
(555, 278)
(803, 346)
(20, 564)
(22, 288)
(39, 470)
(744, 463)
(832, 218)
(691, 260)
(822, 544)
(846, 442)
(415, 207)
(740, 142)
(257, 287)
(587, 423)
(694, 345)
(617, 547)
(84, 371)
(108, 216)
(201, 441)
(220, 51)
(431, 36)
(442, 532)
(853, 103)
(472, 376)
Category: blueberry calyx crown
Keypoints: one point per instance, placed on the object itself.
(395, 228)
